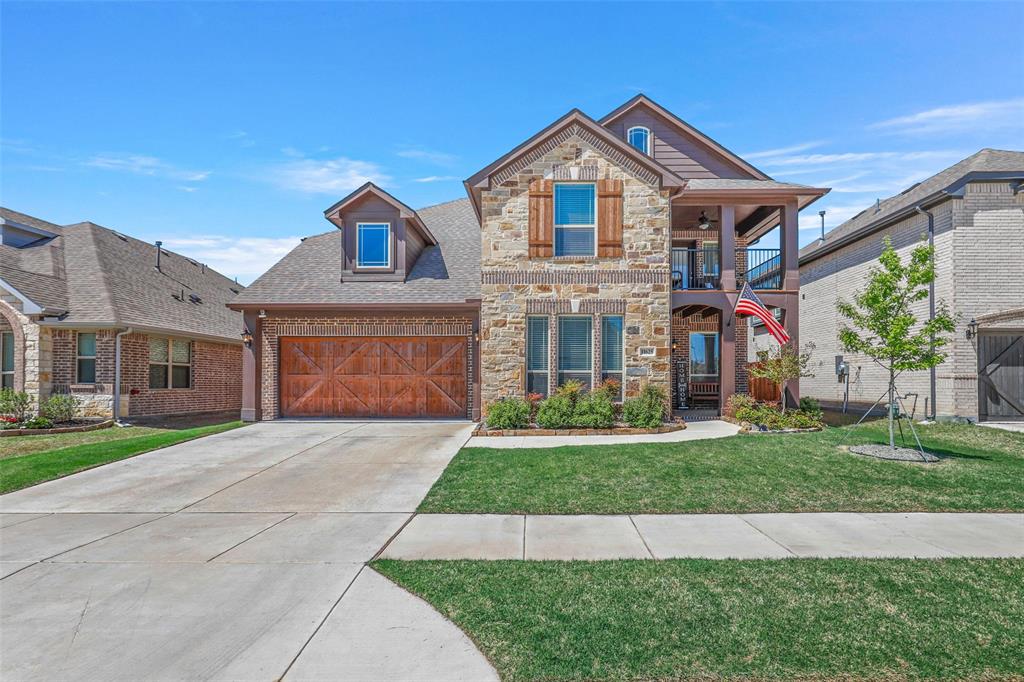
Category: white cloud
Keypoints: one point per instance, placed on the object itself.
(141, 164)
(244, 257)
(436, 178)
(185, 188)
(782, 151)
(330, 176)
(242, 138)
(989, 116)
(428, 155)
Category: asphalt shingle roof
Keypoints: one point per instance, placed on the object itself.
(985, 161)
(95, 275)
(446, 273)
(740, 183)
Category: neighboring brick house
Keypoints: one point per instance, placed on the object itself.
(73, 298)
(977, 218)
(594, 250)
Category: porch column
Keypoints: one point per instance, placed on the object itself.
(727, 248)
(250, 368)
(727, 358)
(791, 321)
(790, 246)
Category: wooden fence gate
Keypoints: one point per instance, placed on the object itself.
(1001, 377)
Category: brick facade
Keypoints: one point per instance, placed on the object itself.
(706, 320)
(979, 242)
(514, 285)
(275, 326)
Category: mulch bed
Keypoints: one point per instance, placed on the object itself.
(482, 430)
(74, 427)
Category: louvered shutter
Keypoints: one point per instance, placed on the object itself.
(542, 226)
(609, 218)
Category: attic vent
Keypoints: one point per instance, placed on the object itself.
(194, 298)
(192, 262)
(562, 172)
(235, 290)
(120, 236)
(910, 188)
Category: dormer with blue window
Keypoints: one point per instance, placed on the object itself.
(382, 237)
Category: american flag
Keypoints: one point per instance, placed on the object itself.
(749, 304)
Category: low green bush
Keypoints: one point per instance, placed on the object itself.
(555, 413)
(743, 408)
(594, 411)
(571, 390)
(37, 423)
(508, 413)
(60, 407)
(647, 410)
(811, 406)
(15, 404)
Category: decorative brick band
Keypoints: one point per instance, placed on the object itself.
(576, 277)
(561, 306)
(575, 130)
(375, 328)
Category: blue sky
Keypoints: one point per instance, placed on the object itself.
(225, 129)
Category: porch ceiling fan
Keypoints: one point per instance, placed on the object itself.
(704, 222)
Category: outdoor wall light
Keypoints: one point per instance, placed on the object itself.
(247, 338)
(972, 328)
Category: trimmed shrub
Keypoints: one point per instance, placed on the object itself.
(610, 388)
(737, 402)
(646, 411)
(508, 413)
(743, 408)
(61, 407)
(572, 390)
(15, 404)
(37, 423)
(555, 413)
(810, 406)
(594, 411)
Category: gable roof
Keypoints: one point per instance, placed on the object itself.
(987, 164)
(92, 275)
(334, 212)
(686, 128)
(447, 272)
(480, 180)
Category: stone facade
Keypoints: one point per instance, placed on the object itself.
(514, 285)
(979, 245)
(33, 349)
(295, 324)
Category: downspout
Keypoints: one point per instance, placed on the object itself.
(931, 305)
(117, 374)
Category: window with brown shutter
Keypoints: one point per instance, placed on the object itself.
(542, 226)
(609, 218)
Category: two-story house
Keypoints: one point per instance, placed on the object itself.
(596, 249)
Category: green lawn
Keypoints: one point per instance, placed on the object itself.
(787, 619)
(73, 452)
(982, 470)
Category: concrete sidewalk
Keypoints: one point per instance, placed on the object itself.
(712, 536)
(694, 431)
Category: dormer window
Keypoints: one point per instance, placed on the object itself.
(373, 245)
(640, 137)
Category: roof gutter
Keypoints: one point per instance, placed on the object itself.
(931, 302)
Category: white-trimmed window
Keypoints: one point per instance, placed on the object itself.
(537, 355)
(170, 363)
(703, 356)
(576, 349)
(6, 359)
(611, 349)
(640, 138)
(373, 245)
(575, 219)
(85, 365)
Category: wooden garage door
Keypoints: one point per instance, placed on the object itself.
(1001, 377)
(421, 376)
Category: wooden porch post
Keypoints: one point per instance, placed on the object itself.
(726, 357)
(727, 248)
(790, 246)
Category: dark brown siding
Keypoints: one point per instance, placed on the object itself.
(681, 153)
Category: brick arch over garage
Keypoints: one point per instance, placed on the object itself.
(10, 316)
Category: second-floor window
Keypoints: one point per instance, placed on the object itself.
(373, 245)
(640, 137)
(575, 219)
(86, 359)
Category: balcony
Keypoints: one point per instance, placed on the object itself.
(700, 268)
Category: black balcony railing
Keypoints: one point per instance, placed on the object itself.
(762, 268)
(701, 268)
(696, 268)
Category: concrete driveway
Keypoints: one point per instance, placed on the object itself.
(238, 556)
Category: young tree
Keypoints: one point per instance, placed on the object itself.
(882, 326)
(782, 365)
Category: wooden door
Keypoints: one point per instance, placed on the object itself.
(422, 376)
(1000, 377)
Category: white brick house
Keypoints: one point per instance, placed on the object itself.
(978, 230)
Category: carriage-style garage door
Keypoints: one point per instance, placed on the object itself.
(1000, 377)
(420, 376)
